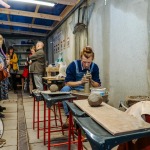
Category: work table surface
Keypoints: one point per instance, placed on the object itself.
(113, 120)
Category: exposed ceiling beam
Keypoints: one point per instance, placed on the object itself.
(25, 25)
(79, 3)
(63, 14)
(66, 11)
(8, 17)
(21, 32)
(36, 11)
(29, 14)
(64, 2)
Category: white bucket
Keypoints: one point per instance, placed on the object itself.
(101, 91)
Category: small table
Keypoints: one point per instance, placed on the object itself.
(49, 80)
(80, 94)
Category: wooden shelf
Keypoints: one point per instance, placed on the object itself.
(23, 52)
(22, 45)
(22, 59)
(21, 65)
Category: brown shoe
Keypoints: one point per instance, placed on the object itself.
(66, 124)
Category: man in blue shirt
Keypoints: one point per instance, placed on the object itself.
(75, 72)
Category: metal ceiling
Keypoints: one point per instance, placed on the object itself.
(33, 20)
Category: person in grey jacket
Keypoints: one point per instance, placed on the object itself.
(38, 65)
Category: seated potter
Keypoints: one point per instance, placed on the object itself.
(75, 72)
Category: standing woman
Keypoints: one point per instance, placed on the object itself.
(13, 67)
(3, 64)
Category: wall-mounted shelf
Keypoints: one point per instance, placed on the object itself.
(22, 51)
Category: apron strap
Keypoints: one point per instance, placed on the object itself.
(91, 70)
(76, 64)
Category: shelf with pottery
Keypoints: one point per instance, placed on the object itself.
(22, 51)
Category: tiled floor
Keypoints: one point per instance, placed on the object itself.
(11, 125)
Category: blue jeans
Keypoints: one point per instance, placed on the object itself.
(67, 89)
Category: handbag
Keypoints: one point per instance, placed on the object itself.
(3, 75)
(25, 72)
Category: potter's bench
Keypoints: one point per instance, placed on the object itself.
(100, 138)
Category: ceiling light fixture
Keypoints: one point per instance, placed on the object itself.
(36, 2)
(4, 4)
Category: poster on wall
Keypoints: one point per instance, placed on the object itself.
(61, 45)
(64, 44)
(58, 41)
(68, 42)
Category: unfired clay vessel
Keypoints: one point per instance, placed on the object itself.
(53, 88)
(95, 100)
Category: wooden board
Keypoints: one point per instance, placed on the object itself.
(54, 93)
(113, 120)
(82, 93)
(51, 78)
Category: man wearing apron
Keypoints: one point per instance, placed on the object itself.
(75, 75)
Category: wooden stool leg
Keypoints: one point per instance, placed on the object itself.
(22, 83)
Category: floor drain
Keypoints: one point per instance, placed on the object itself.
(22, 129)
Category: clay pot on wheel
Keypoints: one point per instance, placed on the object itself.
(53, 88)
(95, 100)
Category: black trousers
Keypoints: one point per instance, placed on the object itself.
(14, 81)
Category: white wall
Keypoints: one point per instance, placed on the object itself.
(128, 49)
(118, 33)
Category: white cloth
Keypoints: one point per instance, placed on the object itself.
(139, 110)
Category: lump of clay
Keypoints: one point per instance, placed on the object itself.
(95, 100)
(53, 88)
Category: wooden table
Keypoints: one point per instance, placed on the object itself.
(49, 80)
(113, 120)
(80, 94)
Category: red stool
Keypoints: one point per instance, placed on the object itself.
(56, 119)
(71, 133)
(74, 111)
(36, 109)
(54, 101)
